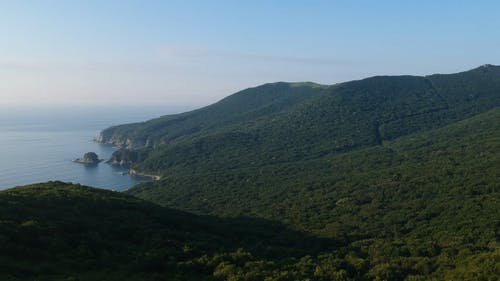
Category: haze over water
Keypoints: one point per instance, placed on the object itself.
(39, 144)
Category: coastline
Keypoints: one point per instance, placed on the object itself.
(132, 172)
(135, 173)
(55, 137)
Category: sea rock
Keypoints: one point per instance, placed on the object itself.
(89, 158)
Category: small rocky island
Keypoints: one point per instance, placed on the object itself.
(89, 158)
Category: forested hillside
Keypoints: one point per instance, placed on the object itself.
(244, 106)
(58, 231)
(386, 178)
(444, 161)
(429, 197)
(338, 119)
(382, 163)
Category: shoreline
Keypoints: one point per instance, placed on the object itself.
(134, 173)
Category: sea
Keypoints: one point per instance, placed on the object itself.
(39, 144)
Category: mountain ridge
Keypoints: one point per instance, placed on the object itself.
(422, 207)
(333, 119)
(385, 178)
(437, 189)
(259, 102)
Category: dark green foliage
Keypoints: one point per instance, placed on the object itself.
(58, 231)
(54, 231)
(371, 163)
(417, 206)
(333, 120)
(244, 106)
(392, 178)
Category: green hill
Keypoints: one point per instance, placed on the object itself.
(430, 159)
(386, 178)
(236, 133)
(419, 205)
(424, 207)
(402, 170)
(58, 231)
(244, 106)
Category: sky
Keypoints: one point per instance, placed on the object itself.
(182, 53)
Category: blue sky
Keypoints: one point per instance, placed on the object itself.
(196, 52)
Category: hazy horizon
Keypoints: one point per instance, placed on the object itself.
(193, 53)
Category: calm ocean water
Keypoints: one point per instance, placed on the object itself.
(39, 144)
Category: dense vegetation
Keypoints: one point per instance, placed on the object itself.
(336, 119)
(386, 178)
(59, 231)
(401, 170)
(244, 106)
(430, 199)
